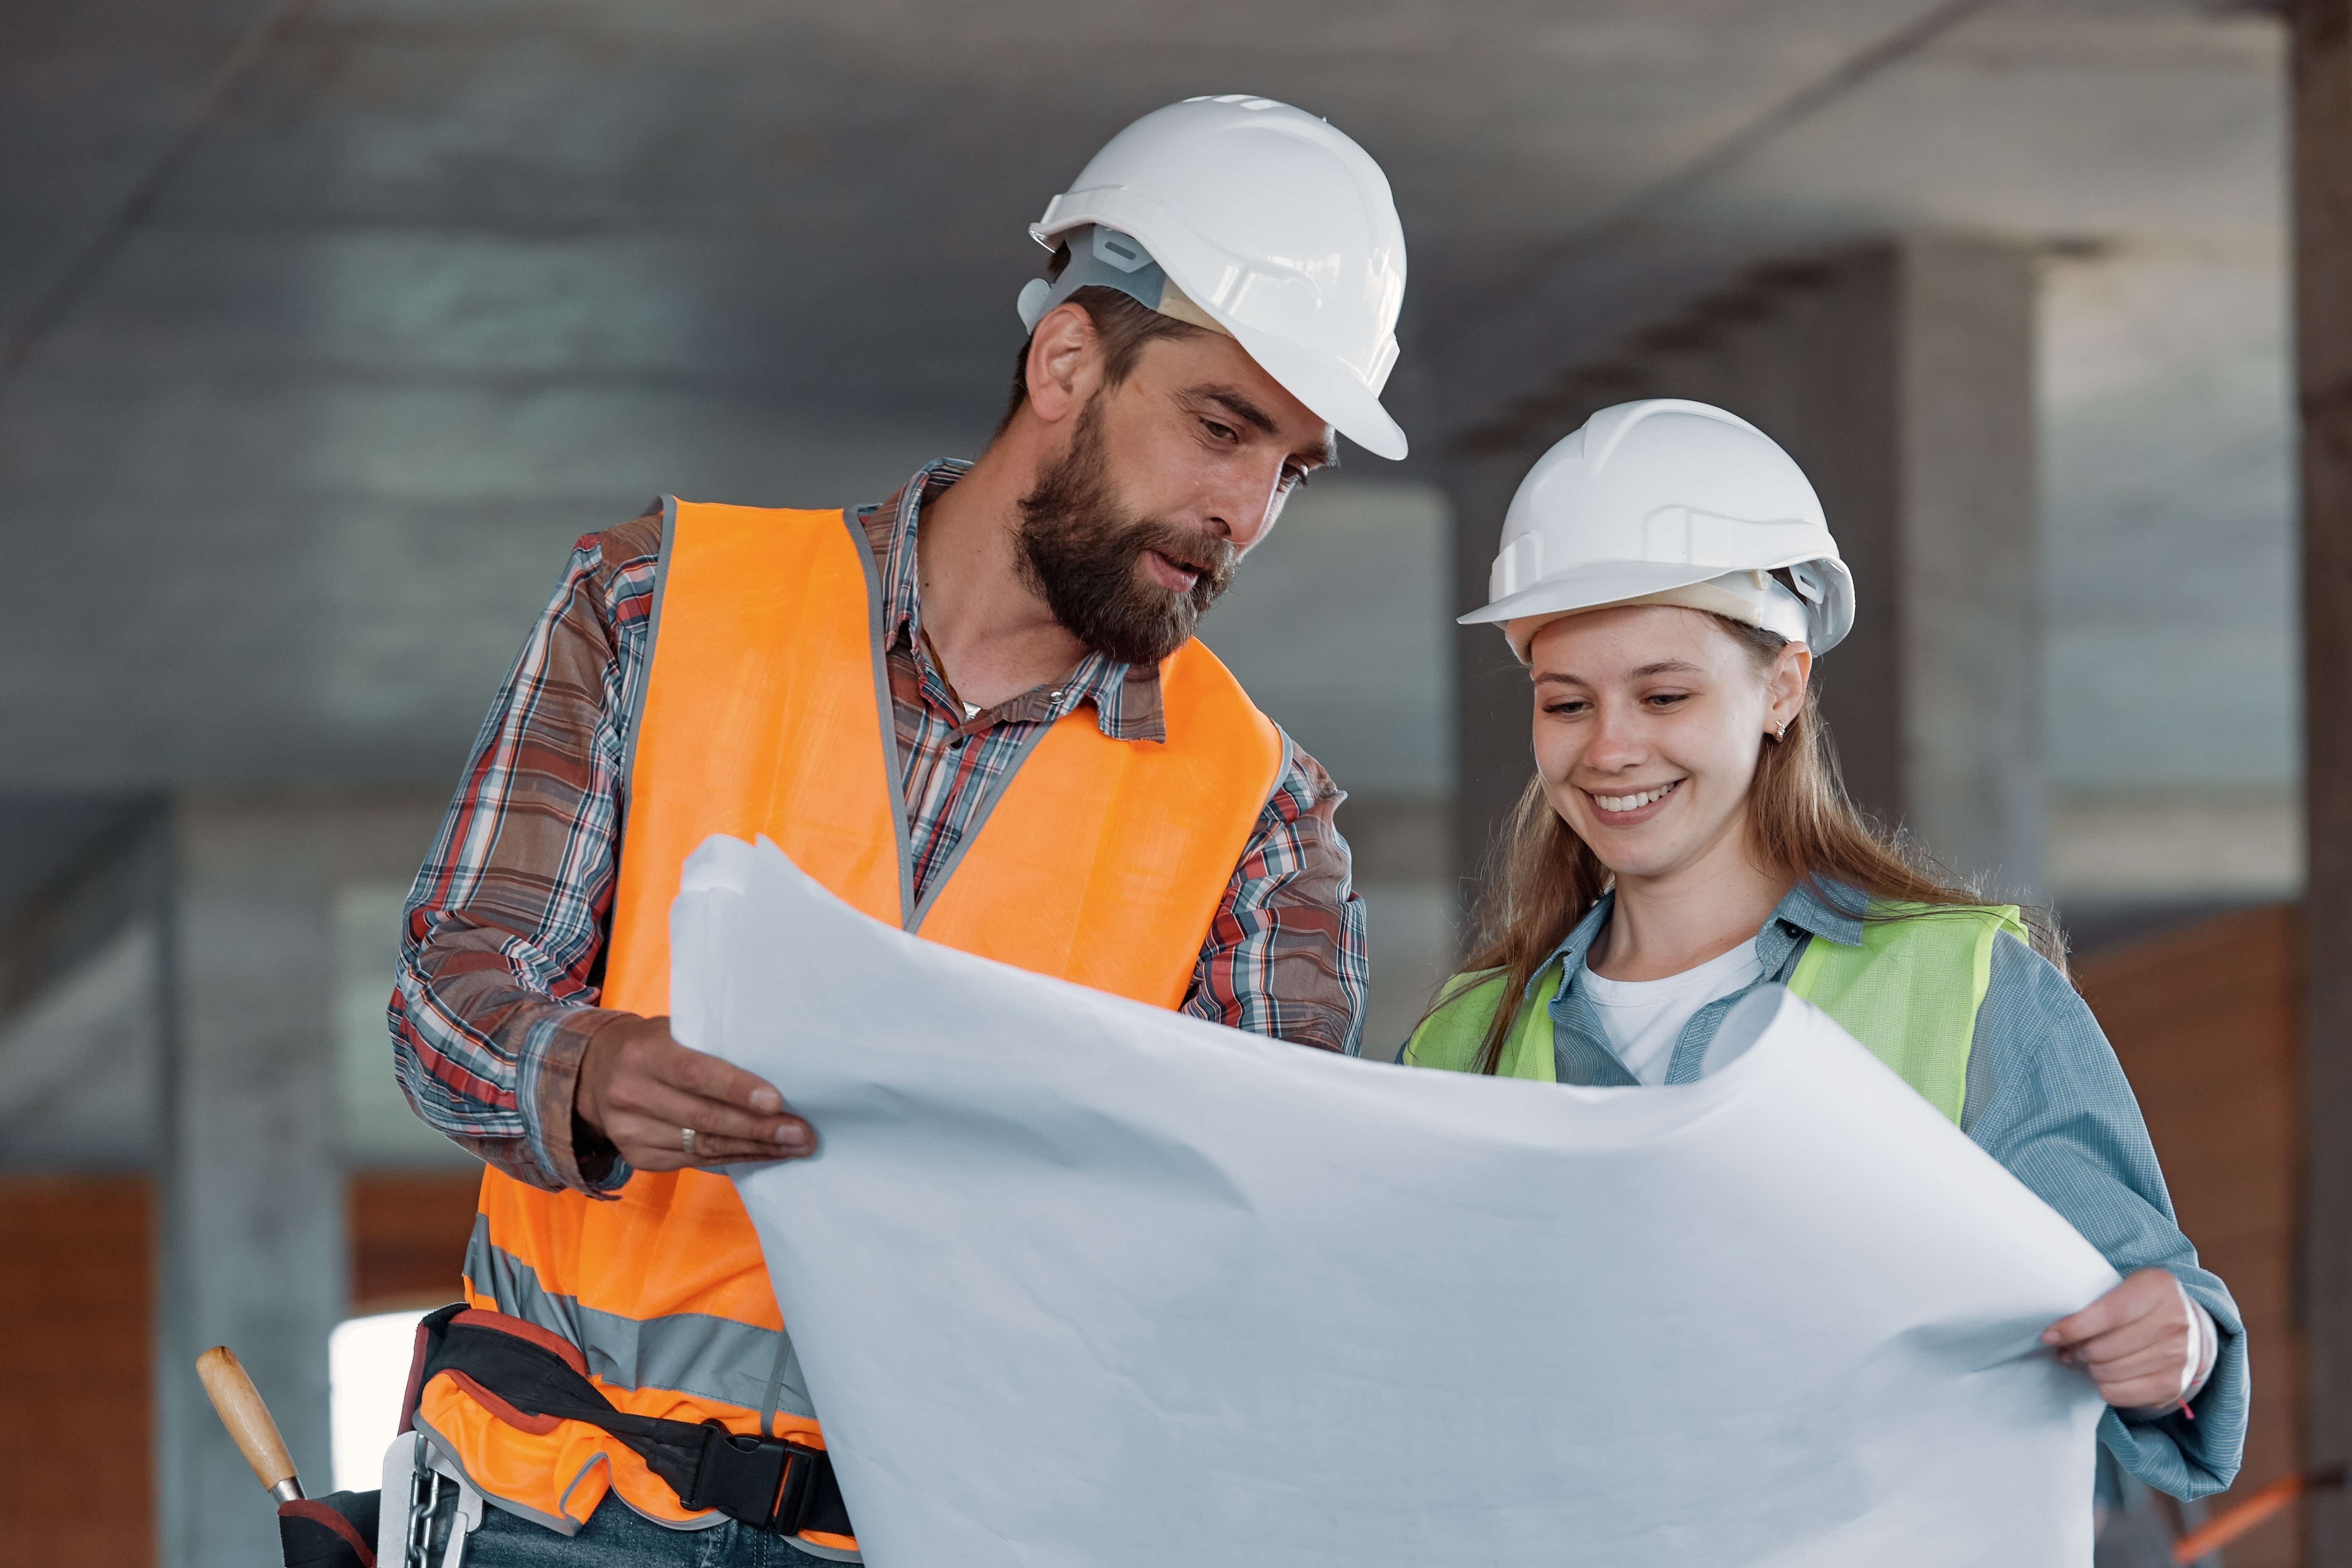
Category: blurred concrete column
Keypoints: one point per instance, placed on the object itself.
(2322, 119)
(1967, 579)
(254, 1251)
(1492, 705)
(1900, 375)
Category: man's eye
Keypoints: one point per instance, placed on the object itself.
(1294, 478)
(1219, 431)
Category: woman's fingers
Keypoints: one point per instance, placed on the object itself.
(2137, 1341)
(2156, 1333)
(2154, 1360)
(2149, 1393)
(2149, 1290)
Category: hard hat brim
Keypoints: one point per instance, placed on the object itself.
(1598, 584)
(1589, 587)
(1330, 392)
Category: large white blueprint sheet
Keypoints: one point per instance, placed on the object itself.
(1075, 1281)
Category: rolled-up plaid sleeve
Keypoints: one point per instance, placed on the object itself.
(1286, 955)
(503, 944)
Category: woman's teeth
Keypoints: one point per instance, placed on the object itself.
(1634, 802)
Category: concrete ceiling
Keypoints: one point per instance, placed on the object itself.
(328, 323)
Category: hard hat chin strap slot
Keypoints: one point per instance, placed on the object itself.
(1099, 257)
(1103, 257)
(1806, 580)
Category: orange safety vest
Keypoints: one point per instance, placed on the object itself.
(767, 709)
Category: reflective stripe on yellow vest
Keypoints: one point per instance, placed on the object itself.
(767, 711)
(1909, 991)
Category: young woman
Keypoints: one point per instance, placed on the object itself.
(1668, 580)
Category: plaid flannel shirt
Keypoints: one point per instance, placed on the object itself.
(503, 946)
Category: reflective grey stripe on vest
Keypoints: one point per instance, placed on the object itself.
(711, 1358)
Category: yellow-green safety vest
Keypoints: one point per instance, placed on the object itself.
(1909, 991)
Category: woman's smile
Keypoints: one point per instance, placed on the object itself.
(1623, 809)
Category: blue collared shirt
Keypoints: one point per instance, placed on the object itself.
(2047, 1099)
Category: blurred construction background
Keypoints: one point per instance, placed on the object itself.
(327, 325)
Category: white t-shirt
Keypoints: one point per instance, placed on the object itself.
(1643, 1018)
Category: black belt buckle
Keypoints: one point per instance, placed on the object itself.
(765, 1482)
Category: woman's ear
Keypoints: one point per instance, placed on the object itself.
(1784, 689)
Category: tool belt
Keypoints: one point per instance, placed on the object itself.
(531, 1378)
(337, 1531)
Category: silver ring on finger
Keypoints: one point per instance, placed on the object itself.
(685, 1142)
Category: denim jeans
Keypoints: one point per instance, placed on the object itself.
(617, 1536)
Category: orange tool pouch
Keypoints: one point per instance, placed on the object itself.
(532, 1379)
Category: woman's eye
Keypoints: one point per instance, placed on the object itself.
(1568, 707)
(1666, 699)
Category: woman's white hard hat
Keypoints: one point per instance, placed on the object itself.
(1267, 222)
(1669, 501)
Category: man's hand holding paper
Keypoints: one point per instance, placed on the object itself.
(666, 1107)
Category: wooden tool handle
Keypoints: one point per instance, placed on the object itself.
(246, 1416)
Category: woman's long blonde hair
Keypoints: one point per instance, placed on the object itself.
(1541, 878)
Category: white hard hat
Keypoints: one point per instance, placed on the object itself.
(1271, 223)
(1666, 502)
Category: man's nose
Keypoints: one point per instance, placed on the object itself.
(1242, 511)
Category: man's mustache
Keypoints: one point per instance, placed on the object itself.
(1213, 559)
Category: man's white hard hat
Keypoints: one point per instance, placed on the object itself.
(1668, 501)
(1269, 223)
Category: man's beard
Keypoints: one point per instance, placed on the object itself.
(1083, 552)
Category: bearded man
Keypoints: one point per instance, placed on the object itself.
(975, 709)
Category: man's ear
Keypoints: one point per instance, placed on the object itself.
(1065, 363)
